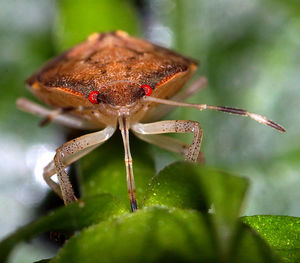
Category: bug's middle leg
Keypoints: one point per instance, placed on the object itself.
(175, 126)
(55, 115)
(69, 153)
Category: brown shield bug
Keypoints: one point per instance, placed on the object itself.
(114, 79)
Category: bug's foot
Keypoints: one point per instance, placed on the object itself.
(133, 205)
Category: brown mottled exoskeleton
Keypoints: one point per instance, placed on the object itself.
(113, 78)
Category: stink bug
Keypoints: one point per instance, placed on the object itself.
(114, 79)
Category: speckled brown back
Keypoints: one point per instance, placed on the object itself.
(109, 58)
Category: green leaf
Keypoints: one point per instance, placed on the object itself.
(282, 233)
(187, 185)
(178, 186)
(150, 235)
(103, 171)
(160, 235)
(77, 19)
(69, 218)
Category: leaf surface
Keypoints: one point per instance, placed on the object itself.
(282, 233)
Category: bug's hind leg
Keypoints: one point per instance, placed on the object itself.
(69, 153)
(162, 110)
(57, 115)
(169, 143)
(174, 126)
(198, 85)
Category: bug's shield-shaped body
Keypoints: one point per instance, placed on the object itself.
(116, 65)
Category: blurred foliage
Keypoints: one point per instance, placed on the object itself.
(250, 52)
(75, 217)
(76, 20)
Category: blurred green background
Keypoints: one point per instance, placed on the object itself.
(249, 50)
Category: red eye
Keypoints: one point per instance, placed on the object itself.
(93, 97)
(147, 89)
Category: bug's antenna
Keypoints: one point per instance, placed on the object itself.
(124, 127)
(254, 116)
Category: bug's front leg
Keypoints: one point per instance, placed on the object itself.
(124, 128)
(174, 126)
(69, 153)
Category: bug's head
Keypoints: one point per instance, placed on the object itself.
(119, 93)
